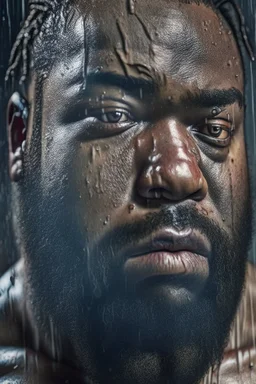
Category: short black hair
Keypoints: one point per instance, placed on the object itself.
(39, 11)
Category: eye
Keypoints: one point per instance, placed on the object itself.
(113, 117)
(219, 129)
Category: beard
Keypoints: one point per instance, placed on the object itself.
(119, 336)
(148, 338)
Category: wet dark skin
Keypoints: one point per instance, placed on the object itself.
(138, 125)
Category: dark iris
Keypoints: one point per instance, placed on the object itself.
(214, 130)
(113, 117)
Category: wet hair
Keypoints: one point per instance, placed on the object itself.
(39, 12)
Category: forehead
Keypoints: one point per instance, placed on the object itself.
(187, 43)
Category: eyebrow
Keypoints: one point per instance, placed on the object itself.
(202, 98)
(128, 83)
(205, 98)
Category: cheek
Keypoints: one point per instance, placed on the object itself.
(102, 178)
(240, 179)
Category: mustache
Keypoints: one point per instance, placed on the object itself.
(179, 219)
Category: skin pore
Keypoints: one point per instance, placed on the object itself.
(135, 128)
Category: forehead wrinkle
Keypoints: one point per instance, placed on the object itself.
(183, 62)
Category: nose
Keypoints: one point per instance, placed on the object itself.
(169, 164)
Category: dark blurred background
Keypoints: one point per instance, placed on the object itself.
(12, 12)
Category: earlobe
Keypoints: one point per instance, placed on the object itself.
(17, 115)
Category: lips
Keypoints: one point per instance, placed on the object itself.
(169, 253)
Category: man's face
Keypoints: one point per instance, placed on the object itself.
(134, 205)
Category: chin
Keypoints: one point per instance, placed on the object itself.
(164, 334)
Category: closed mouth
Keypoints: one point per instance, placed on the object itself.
(169, 253)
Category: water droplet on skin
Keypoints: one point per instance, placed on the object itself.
(23, 145)
(92, 154)
(12, 280)
(205, 212)
(223, 219)
(216, 111)
(229, 63)
(131, 6)
(107, 220)
(251, 365)
(98, 69)
(131, 207)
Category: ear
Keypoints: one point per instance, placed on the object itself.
(17, 116)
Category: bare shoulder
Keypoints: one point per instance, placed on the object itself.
(11, 301)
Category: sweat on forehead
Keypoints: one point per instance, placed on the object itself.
(48, 17)
(173, 40)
